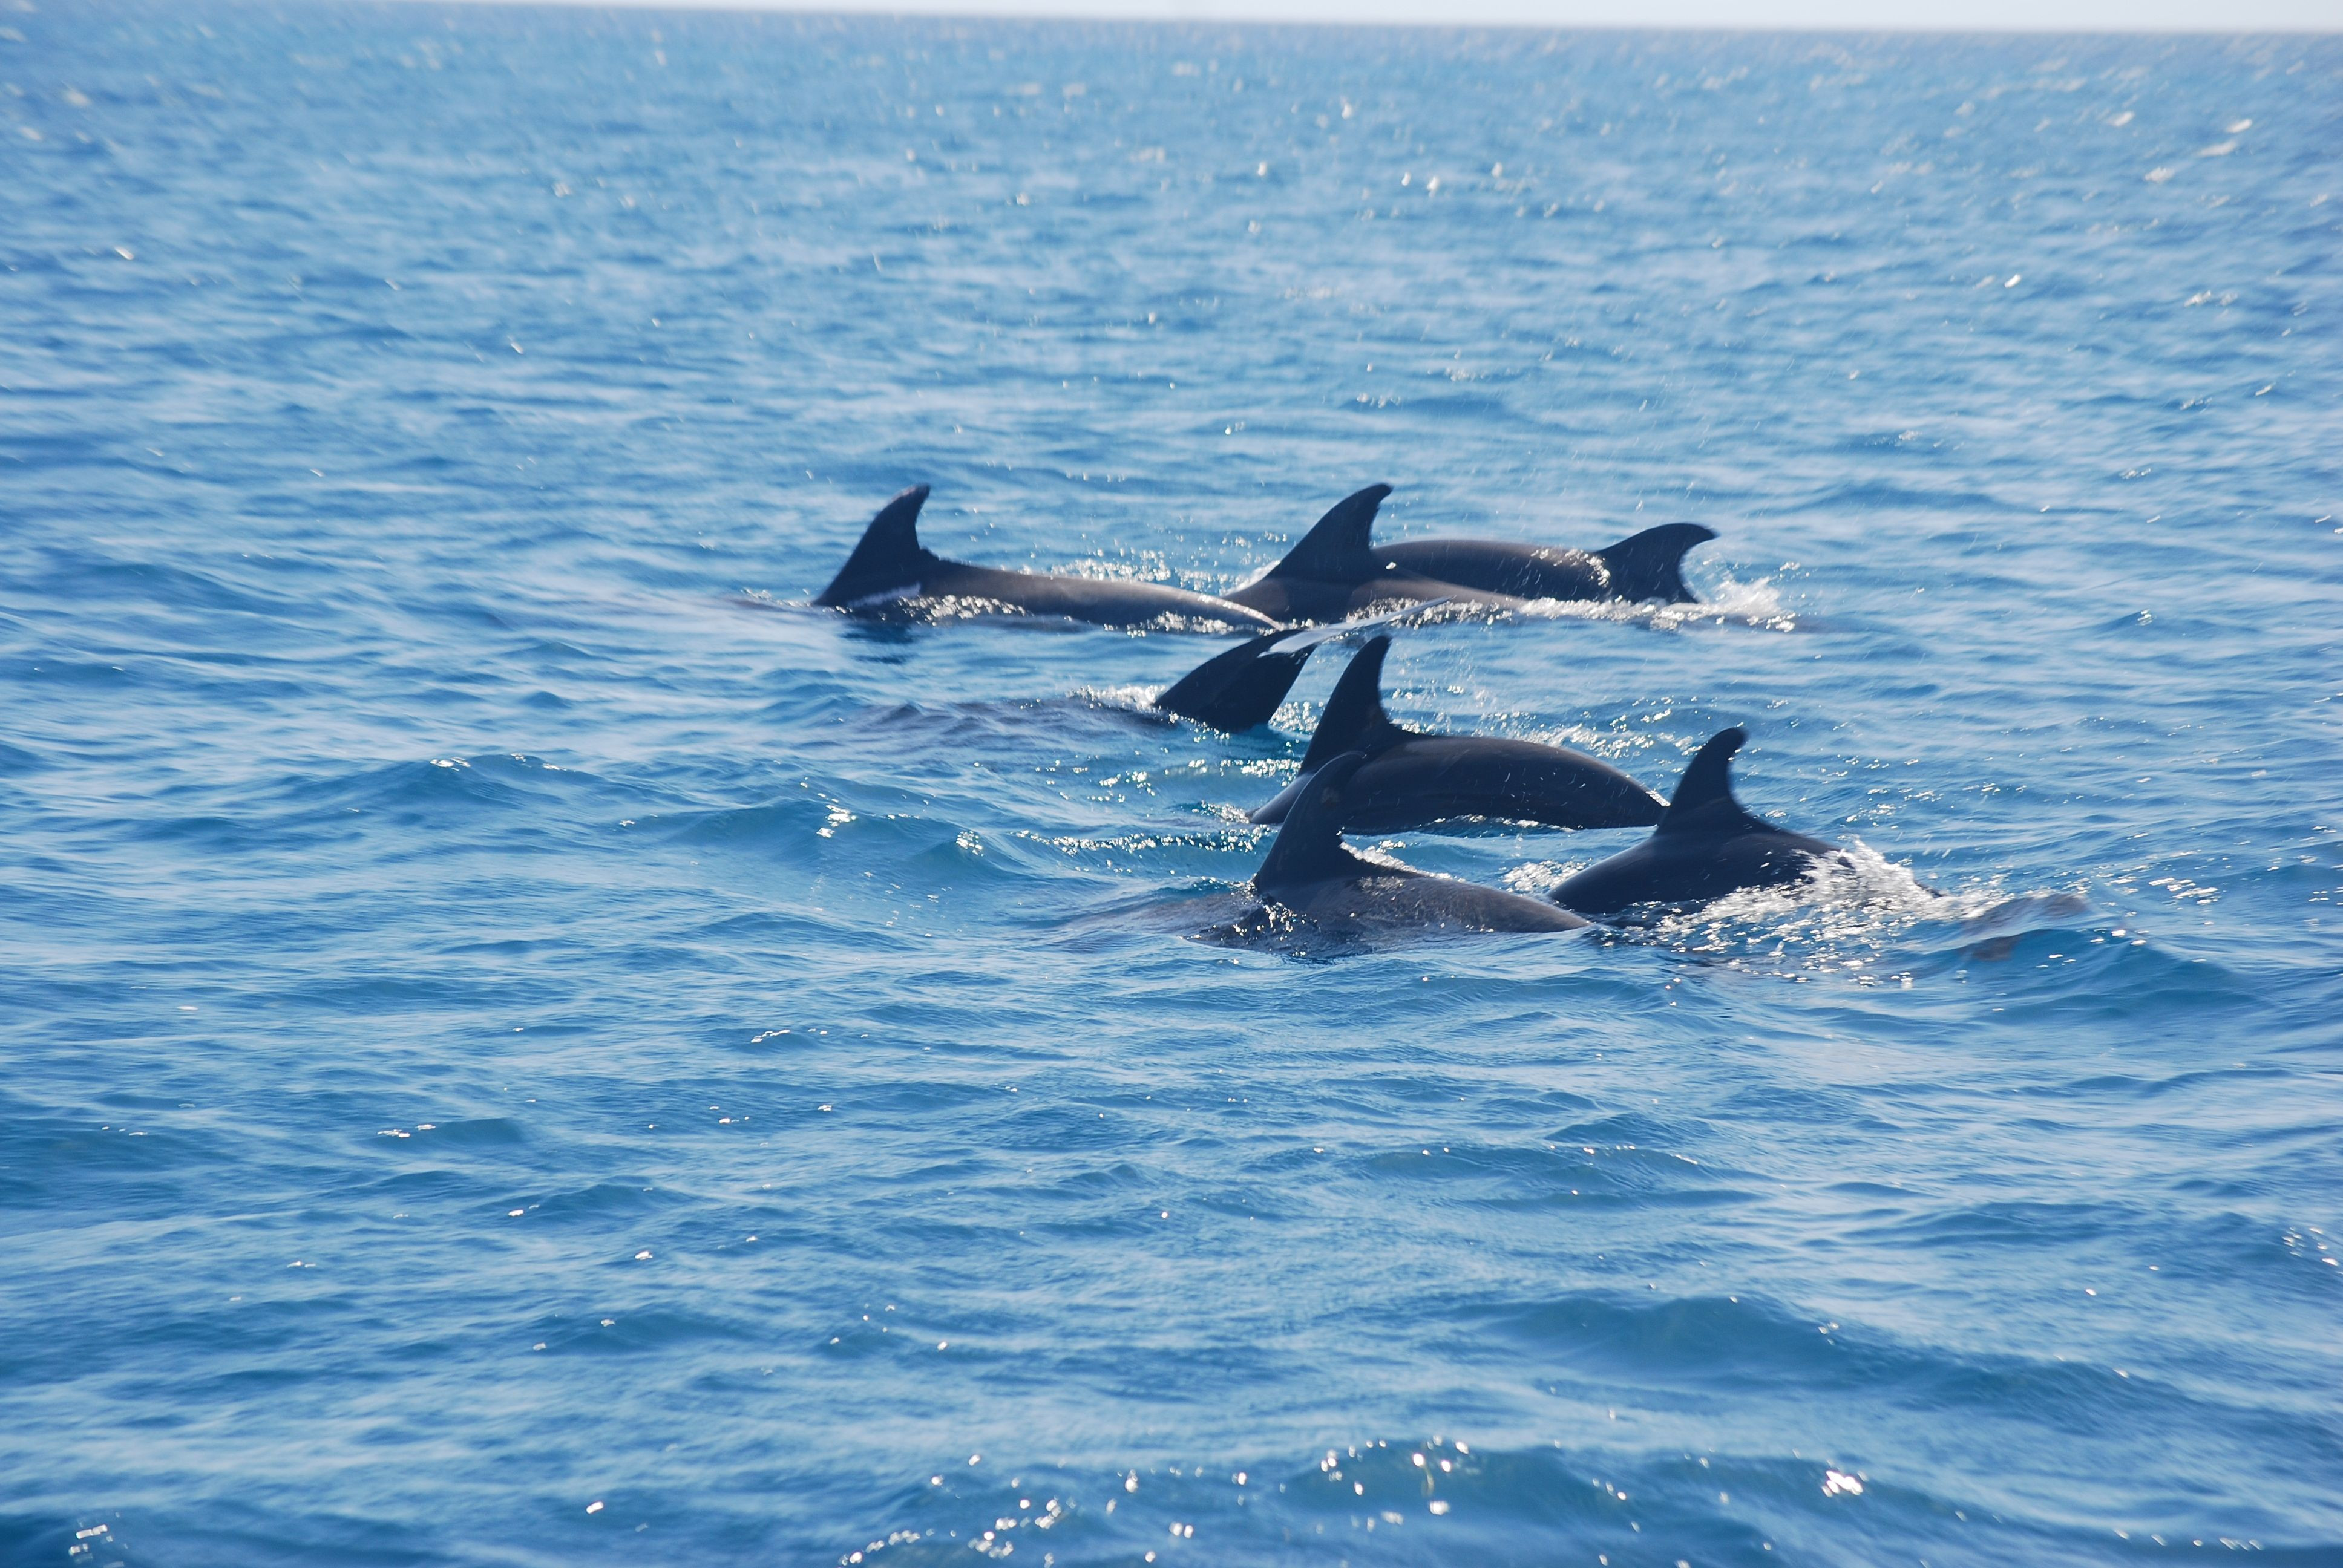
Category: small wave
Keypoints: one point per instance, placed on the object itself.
(953, 609)
(591, 1205)
(1732, 603)
(478, 1133)
(1876, 496)
(1136, 701)
(767, 602)
(1854, 917)
(1859, 917)
(1440, 1497)
(620, 1330)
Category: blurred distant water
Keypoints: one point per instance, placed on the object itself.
(525, 1044)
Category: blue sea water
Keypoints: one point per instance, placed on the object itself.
(525, 1043)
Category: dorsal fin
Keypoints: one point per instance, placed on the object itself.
(1309, 847)
(889, 556)
(1242, 687)
(1355, 719)
(1650, 564)
(1704, 801)
(1335, 549)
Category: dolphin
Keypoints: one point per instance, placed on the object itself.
(889, 568)
(1309, 872)
(1333, 572)
(1242, 687)
(1337, 554)
(1705, 847)
(1410, 779)
(1645, 565)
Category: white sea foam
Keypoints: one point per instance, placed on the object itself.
(1731, 603)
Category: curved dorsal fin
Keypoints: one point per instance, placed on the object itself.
(889, 556)
(1309, 847)
(1704, 801)
(1335, 549)
(1650, 564)
(1242, 687)
(1355, 719)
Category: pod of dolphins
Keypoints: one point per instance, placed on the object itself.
(1363, 773)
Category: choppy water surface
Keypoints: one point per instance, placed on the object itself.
(525, 1044)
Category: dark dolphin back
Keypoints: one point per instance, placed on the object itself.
(889, 556)
(1704, 801)
(1335, 549)
(1309, 847)
(1242, 687)
(1355, 719)
(1650, 564)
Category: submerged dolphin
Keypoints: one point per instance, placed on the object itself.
(1242, 687)
(889, 568)
(1337, 568)
(1333, 572)
(1309, 872)
(1410, 779)
(1705, 846)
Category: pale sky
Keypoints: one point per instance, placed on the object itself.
(1855, 15)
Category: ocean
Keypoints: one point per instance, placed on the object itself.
(526, 1043)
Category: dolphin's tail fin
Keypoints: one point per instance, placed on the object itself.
(1703, 800)
(1335, 548)
(1355, 719)
(1309, 847)
(1242, 687)
(889, 556)
(1650, 564)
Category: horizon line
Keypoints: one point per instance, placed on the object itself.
(2010, 19)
